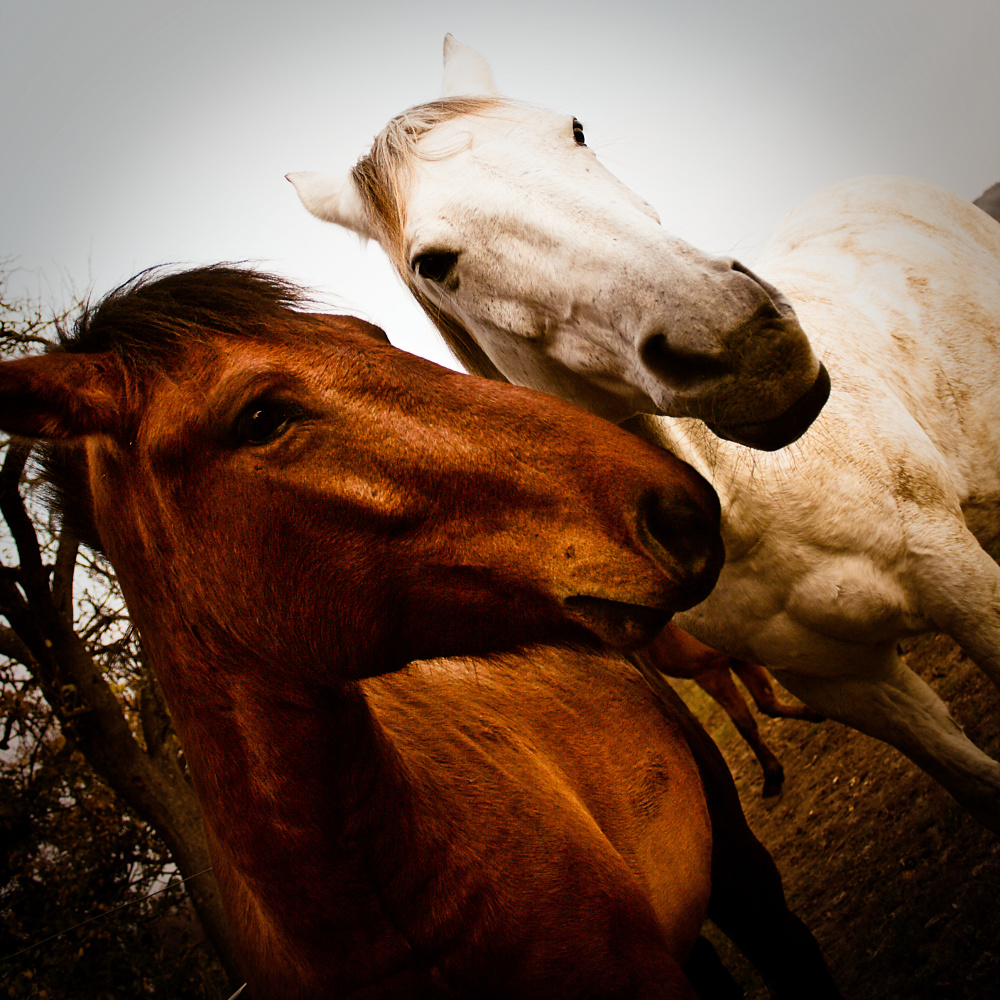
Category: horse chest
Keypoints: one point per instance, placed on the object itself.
(554, 811)
(808, 567)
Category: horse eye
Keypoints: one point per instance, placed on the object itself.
(263, 421)
(581, 139)
(435, 265)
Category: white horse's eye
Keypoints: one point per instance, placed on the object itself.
(581, 139)
(435, 265)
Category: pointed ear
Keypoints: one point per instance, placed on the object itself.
(60, 396)
(466, 72)
(333, 199)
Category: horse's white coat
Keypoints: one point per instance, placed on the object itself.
(877, 522)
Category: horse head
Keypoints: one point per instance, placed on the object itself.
(276, 486)
(543, 269)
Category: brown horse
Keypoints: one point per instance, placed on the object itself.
(297, 513)
(676, 653)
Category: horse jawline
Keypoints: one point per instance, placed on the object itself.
(770, 435)
(623, 626)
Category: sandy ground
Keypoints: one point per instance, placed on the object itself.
(899, 885)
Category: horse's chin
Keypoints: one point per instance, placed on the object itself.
(780, 431)
(625, 627)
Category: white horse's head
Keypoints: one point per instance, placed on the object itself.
(540, 267)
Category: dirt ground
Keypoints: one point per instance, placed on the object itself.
(900, 887)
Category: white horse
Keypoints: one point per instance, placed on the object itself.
(539, 267)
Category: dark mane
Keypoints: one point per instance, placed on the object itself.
(146, 322)
(147, 319)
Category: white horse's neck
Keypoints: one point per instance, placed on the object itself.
(725, 465)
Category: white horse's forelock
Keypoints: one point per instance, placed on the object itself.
(381, 178)
(381, 174)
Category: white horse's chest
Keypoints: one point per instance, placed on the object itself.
(821, 537)
(817, 549)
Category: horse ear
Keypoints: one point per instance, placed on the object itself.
(59, 396)
(333, 199)
(466, 72)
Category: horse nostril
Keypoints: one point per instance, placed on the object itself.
(679, 365)
(688, 533)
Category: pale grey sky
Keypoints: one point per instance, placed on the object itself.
(138, 132)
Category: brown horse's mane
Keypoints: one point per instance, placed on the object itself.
(380, 180)
(147, 320)
(145, 323)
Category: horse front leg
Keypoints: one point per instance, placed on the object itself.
(677, 653)
(959, 589)
(885, 699)
(718, 683)
(709, 977)
(758, 682)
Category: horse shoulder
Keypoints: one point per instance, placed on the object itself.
(638, 779)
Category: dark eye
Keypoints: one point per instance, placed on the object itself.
(435, 265)
(581, 139)
(264, 420)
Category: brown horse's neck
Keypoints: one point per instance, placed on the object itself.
(305, 801)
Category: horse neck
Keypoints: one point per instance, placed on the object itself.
(693, 442)
(746, 513)
(303, 796)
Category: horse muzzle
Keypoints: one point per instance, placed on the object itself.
(782, 430)
(736, 357)
(671, 563)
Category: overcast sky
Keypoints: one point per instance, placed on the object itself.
(136, 133)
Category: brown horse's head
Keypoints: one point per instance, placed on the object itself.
(284, 487)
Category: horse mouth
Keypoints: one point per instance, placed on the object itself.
(777, 432)
(624, 626)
